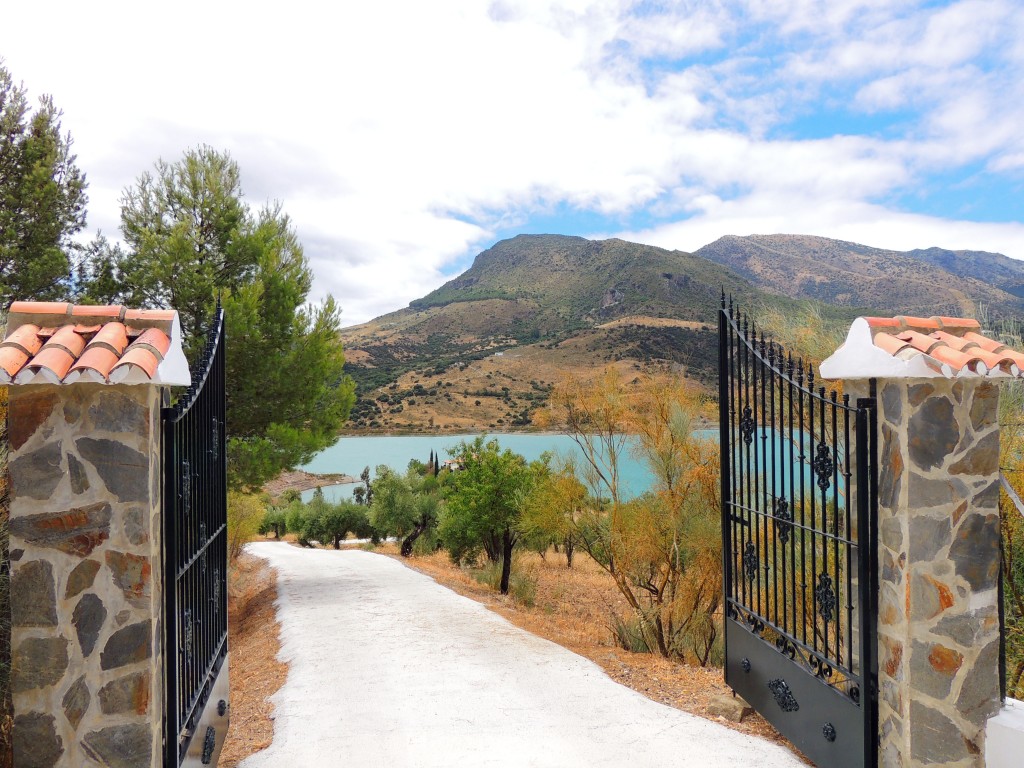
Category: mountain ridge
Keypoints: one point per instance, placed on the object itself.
(483, 350)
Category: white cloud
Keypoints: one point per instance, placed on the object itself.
(400, 137)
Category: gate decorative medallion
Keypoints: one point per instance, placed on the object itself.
(798, 511)
(195, 563)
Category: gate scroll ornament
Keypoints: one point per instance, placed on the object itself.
(797, 504)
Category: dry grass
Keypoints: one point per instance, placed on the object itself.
(256, 673)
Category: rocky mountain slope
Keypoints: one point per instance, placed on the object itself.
(483, 350)
(921, 282)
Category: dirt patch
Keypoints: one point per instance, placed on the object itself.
(298, 480)
(256, 674)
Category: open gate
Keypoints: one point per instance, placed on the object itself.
(798, 515)
(195, 563)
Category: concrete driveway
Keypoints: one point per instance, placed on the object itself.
(387, 668)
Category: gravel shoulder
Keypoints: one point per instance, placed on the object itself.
(386, 667)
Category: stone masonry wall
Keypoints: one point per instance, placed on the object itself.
(938, 531)
(85, 550)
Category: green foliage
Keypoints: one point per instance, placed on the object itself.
(628, 633)
(483, 503)
(322, 521)
(405, 506)
(42, 198)
(522, 585)
(275, 522)
(246, 513)
(191, 238)
(663, 549)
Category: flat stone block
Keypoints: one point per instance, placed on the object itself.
(77, 531)
(35, 741)
(81, 578)
(933, 433)
(128, 645)
(88, 618)
(120, 746)
(132, 573)
(115, 411)
(124, 471)
(36, 475)
(730, 707)
(79, 480)
(975, 551)
(28, 411)
(38, 662)
(126, 694)
(933, 667)
(33, 595)
(979, 694)
(935, 739)
(76, 701)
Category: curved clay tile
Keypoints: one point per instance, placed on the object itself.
(136, 358)
(106, 311)
(883, 322)
(989, 345)
(156, 339)
(98, 359)
(165, 315)
(112, 335)
(890, 344)
(959, 360)
(18, 348)
(919, 341)
(144, 354)
(958, 323)
(41, 307)
(920, 323)
(59, 353)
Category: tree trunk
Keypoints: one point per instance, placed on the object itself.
(506, 560)
(407, 544)
(570, 548)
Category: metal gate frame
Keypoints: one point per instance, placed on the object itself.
(195, 563)
(820, 691)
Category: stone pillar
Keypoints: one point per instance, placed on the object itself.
(86, 597)
(938, 559)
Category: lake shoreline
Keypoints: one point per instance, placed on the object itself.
(301, 480)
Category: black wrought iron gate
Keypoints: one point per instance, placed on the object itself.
(195, 563)
(798, 511)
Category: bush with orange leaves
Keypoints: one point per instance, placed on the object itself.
(663, 549)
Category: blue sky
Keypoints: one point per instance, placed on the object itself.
(403, 138)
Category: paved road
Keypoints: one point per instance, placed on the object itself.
(387, 668)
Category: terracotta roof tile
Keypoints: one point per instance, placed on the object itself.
(59, 343)
(952, 347)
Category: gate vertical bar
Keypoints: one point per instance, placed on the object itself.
(170, 549)
(195, 561)
(867, 576)
(724, 429)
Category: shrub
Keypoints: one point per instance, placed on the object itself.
(522, 584)
(245, 516)
(628, 633)
(274, 522)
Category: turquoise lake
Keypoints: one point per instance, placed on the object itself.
(350, 454)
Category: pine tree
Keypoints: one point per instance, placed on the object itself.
(42, 198)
